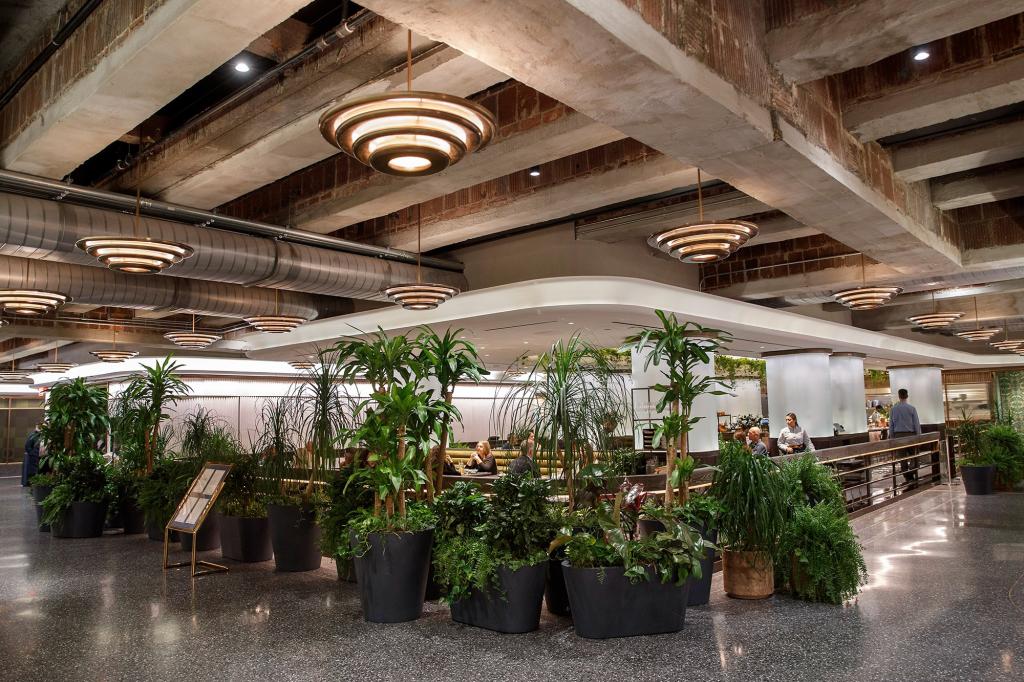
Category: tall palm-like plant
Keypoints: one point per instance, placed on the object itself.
(565, 399)
(678, 350)
(76, 420)
(381, 360)
(156, 389)
(449, 360)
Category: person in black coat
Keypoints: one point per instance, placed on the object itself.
(525, 463)
(30, 464)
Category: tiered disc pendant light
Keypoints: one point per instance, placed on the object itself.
(977, 334)
(14, 375)
(420, 295)
(865, 297)
(31, 302)
(703, 242)
(135, 254)
(55, 367)
(113, 354)
(935, 319)
(411, 133)
(301, 365)
(192, 340)
(276, 323)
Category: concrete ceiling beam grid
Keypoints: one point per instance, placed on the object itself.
(856, 33)
(964, 151)
(174, 46)
(602, 58)
(978, 187)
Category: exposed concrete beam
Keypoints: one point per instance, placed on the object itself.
(955, 153)
(385, 194)
(660, 174)
(643, 223)
(978, 188)
(955, 95)
(281, 42)
(177, 44)
(30, 348)
(810, 287)
(860, 32)
(778, 227)
(67, 334)
(991, 307)
(602, 58)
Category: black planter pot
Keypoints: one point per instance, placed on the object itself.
(434, 589)
(245, 538)
(295, 537)
(392, 575)
(155, 531)
(978, 480)
(82, 520)
(115, 520)
(134, 520)
(555, 596)
(206, 539)
(605, 604)
(512, 608)
(700, 588)
(39, 493)
(346, 570)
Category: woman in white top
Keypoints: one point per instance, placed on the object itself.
(793, 438)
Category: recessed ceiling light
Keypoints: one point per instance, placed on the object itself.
(921, 54)
(534, 171)
(242, 67)
(526, 342)
(572, 323)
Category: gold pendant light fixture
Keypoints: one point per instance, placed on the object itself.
(112, 354)
(192, 340)
(865, 297)
(934, 319)
(301, 365)
(12, 375)
(55, 367)
(977, 334)
(421, 295)
(1007, 343)
(135, 255)
(703, 242)
(276, 323)
(408, 134)
(31, 302)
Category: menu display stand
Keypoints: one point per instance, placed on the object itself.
(191, 512)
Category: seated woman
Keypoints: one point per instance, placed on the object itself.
(482, 460)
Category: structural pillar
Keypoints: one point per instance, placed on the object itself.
(799, 381)
(848, 400)
(924, 384)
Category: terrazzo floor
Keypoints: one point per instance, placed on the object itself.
(945, 602)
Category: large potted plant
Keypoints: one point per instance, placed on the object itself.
(1004, 446)
(818, 554)
(494, 569)
(128, 430)
(976, 464)
(622, 585)
(700, 512)
(76, 424)
(244, 528)
(161, 491)
(342, 504)
(753, 500)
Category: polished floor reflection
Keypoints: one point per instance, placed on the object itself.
(945, 602)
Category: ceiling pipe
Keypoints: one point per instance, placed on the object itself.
(102, 287)
(73, 194)
(36, 228)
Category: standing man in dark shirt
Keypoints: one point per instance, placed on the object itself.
(30, 465)
(903, 421)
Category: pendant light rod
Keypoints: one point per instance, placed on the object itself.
(408, 61)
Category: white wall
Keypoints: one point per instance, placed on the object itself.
(744, 397)
(704, 436)
(925, 387)
(800, 383)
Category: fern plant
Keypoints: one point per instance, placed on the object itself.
(825, 561)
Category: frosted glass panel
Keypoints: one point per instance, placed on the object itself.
(743, 398)
(848, 393)
(925, 387)
(704, 436)
(801, 384)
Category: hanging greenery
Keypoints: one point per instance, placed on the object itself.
(732, 367)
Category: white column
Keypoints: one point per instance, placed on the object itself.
(744, 397)
(704, 436)
(799, 381)
(924, 383)
(847, 373)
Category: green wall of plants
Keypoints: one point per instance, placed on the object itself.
(1010, 397)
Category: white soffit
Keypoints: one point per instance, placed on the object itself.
(612, 300)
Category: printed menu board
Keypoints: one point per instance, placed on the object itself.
(199, 498)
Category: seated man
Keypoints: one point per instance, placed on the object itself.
(524, 463)
(757, 447)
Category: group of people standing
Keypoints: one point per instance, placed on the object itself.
(792, 439)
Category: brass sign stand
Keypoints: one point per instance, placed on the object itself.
(191, 512)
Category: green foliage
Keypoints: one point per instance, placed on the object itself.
(478, 535)
(1004, 447)
(341, 505)
(83, 478)
(418, 517)
(564, 398)
(968, 434)
(824, 558)
(162, 490)
(754, 499)
(76, 422)
(746, 421)
(732, 367)
(811, 482)
(152, 392)
(206, 437)
(624, 462)
(246, 488)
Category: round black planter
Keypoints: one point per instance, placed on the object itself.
(82, 520)
(295, 537)
(133, 518)
(155, 531)
(245, 538)
(512, 608)
(39, 493)
(555, 596)
(392, 575)
(605, 604)
(346, 570)
(978, 480)
(700, 588)
(207, 538)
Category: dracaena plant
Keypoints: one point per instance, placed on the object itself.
(157, 388)
(76, 422)
(678, 350)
